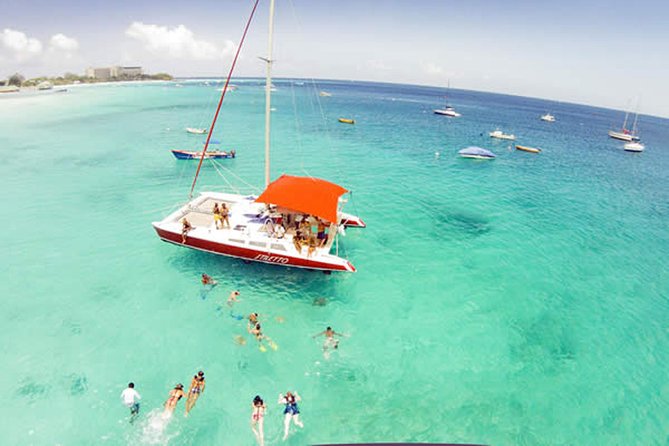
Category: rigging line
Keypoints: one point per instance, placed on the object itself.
(246, 183)
(213, 163)
(220, 102)
(316, 91)
(298, 133)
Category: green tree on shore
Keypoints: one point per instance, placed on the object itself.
(16, 79)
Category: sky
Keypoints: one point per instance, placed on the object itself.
(606, 53)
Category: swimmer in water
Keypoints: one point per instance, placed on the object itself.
(291, 411)
(232, 298)
(175, 395)
(131, 399)
(208, 280)
(196, 389)
(257, 416)
(330, 341)
(253, 320)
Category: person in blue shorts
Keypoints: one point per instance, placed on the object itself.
(291, 411)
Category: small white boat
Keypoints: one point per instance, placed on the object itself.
(501, 135)
(634, 147)
(196, 131)
(447, 111)
(45, 85)
(324, 94)
(477, 153)
(548, 117)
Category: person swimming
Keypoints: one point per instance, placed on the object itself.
(208, 280)
(232, 298)
(330, 341)
(257, 416)
(196, 389)
(175, 395)
(291, 411)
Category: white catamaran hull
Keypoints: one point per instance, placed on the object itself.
(250, 235)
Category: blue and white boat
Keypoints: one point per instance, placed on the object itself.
(476, 153)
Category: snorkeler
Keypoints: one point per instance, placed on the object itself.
(196, 388)
(291, 411)
(257, 416)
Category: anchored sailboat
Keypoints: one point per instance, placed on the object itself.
(296, 221)
(625, 134)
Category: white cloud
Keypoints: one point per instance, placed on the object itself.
(431, 68)
(63, 43)
(19, 44)
(178, 42)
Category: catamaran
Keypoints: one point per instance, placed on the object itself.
(296, 221)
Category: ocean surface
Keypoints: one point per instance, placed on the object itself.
(520, 301)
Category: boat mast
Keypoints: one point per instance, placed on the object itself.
(268, 90)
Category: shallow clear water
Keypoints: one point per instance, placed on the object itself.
(518, 301)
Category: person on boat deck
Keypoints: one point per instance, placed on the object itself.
(278, 230)
(196, 389)
(298, 239)
(175, 395)
(232, 298)
(291, 411)
(257, 416)
(208, 280)
(322, 236)
(185, 228)
(305, 227)
(225, 212)
(313, 244)
(217, 216)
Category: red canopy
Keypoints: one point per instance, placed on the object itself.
(304, 194)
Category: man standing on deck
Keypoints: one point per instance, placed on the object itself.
(130, 398)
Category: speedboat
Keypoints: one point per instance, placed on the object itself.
(324, 94)
(447, 111)
(476, 153)
(634, 146)
(528, 149)
(501, 135)
(548, 117)
(196, 131)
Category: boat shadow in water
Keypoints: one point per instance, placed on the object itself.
(458, 224)
(283, 282)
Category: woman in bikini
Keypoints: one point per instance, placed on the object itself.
(224, 215)
(195, 390)
(175, 395)
(257, 419)
(291, 411)
(185, 229)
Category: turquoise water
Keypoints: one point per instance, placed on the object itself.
(520, 301)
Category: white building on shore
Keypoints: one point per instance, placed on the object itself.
(113, 72)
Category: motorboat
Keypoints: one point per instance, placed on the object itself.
(196, 131)
(324, 94)
(194, 155)
(634, 146)
(476, 153)
(501, 135)
(548, 117)
(347, 121)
